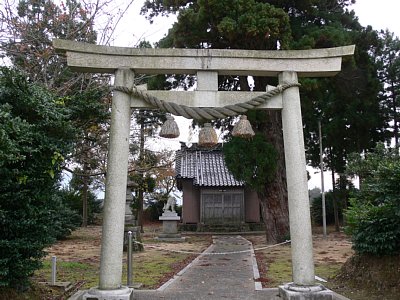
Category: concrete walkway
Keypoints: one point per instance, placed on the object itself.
(228, 276)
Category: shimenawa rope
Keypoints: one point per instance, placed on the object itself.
(204, 113)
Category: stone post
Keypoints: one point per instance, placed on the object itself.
(116, 180)
(129, 216)
(299, 206)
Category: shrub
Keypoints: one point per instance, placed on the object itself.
(373, 218)
(72, 199)
(65, 220)
(154, 210)
(374, 229)
(34, 133)
(27, 225)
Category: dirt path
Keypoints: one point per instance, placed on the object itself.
(82, 246)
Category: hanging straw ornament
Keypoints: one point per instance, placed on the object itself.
(243, 128)
(170, 129)
(207, 136)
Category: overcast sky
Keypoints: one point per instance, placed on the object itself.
(380, 14)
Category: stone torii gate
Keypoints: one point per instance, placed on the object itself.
(207, 64)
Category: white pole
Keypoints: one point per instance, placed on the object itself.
(296, 176)
(116, 180)
(321, 163)
(129, 260)
(53, 270)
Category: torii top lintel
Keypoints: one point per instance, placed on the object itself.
(105, 59)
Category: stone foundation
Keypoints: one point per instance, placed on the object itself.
(124, 293)
(292, 291)
(170, 227)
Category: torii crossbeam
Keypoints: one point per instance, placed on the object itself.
(207, 64)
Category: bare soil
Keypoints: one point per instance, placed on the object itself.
(274, 263)
(369, 277)
(335, 248)
(82, 246)
(355, 277)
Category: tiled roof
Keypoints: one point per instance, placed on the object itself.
(205, 167)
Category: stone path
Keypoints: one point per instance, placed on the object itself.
(215, 277)
(228, 276)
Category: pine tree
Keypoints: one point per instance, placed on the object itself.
(346, 104)
(246, 25)
(388, 60)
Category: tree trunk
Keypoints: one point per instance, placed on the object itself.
(275, 203)
(335, 204)
(344, 188)
(395, 117)
(85, 189)
(85, 202)
(140, 209)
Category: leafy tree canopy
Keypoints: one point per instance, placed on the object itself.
(253, 161)
(246, 24)
(347, 105)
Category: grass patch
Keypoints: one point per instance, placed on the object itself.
(71, 271)
(280, 269)
(151, 268)
(327, 271)
(275, 264)
(66, 265)
(278, 266)
(155, 269)
(78, 262)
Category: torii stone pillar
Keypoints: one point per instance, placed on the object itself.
(299, 207)
(115, 197)
(207, 64)
(116, 180)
